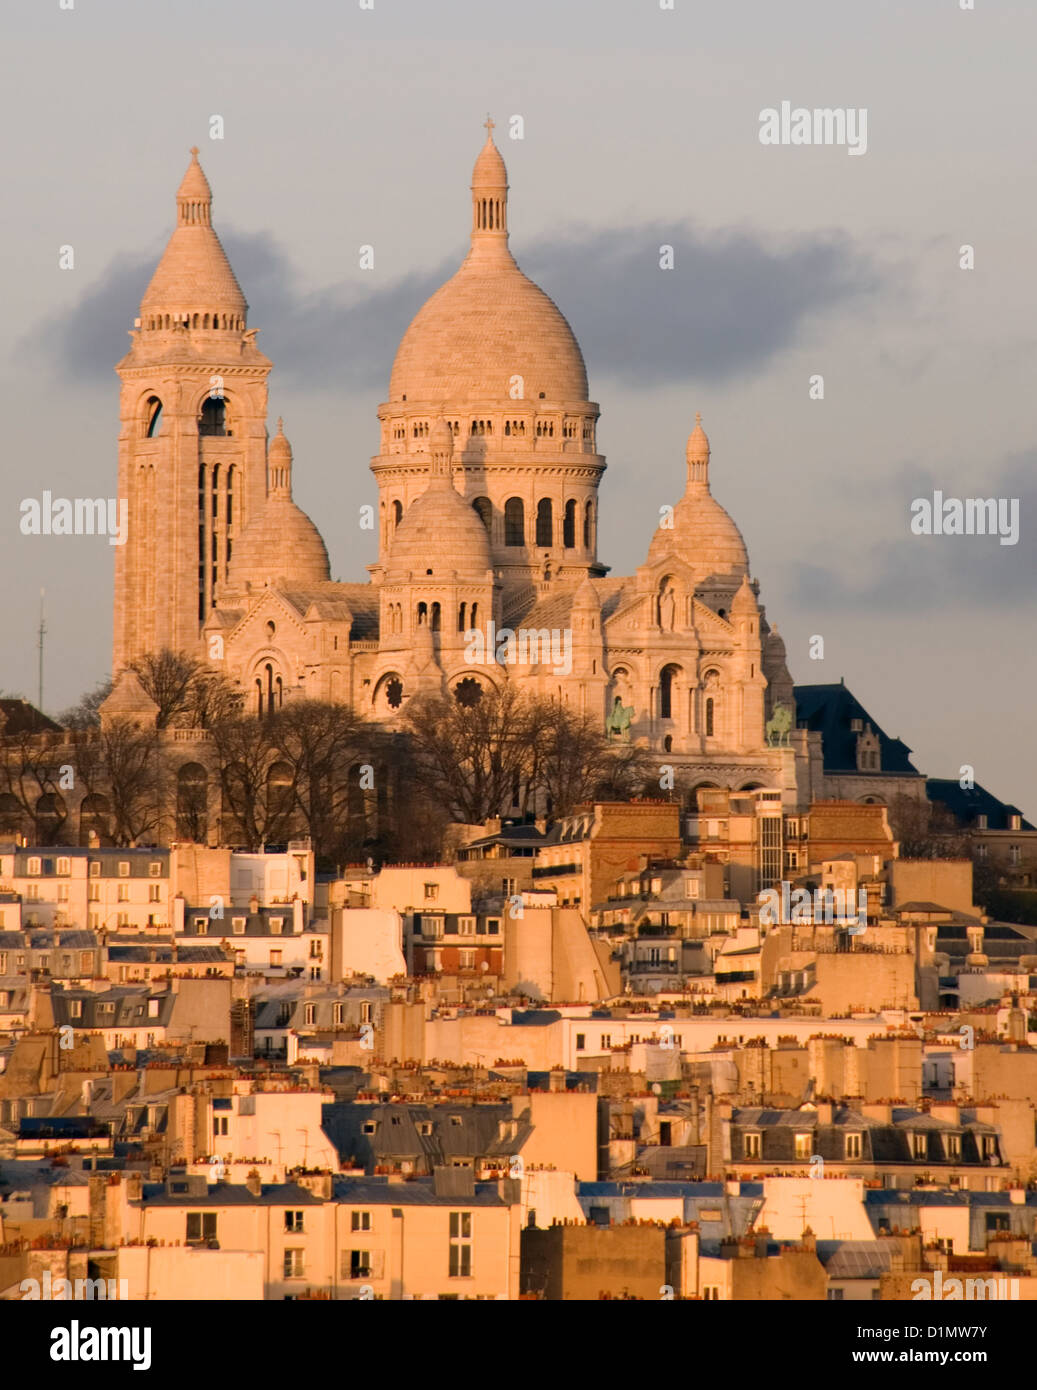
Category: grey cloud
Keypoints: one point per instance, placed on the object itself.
(928, 573)
(728, 306)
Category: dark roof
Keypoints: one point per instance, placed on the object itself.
(828, 710)
(965, 804)
(855, 1259)
(221, 1194)
(19, 717)
(413, 1193)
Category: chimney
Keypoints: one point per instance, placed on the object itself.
(253, 904)
(134, 1187)
(556, 1080)
(179, 912)
(254, 1183)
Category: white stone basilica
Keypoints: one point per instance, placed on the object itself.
(488, 478)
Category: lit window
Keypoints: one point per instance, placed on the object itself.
(804, 1145)
(460, 1244)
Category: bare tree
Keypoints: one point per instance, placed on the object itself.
(187, 691)
(85, 713)
(329, 750)
(136, 781)
(261, 802)
(927, 830)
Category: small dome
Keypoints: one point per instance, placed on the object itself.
(194, 275)
(704, 537)
(441, 438)
(438, 524)
(586, 596)
(697, 450)
(279, 450)
(490, 170)
(281, 543)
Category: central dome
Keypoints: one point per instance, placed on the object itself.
(489, 323)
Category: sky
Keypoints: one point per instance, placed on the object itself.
(345, 127)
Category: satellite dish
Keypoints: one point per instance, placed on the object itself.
(484, 965)
(656, 1089)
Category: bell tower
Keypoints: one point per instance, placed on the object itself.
(192, 443)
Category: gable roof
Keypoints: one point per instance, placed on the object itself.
(965, 804)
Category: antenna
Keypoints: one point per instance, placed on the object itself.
(43, 630)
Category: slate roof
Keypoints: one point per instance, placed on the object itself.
(828, 709)
(222, 1194)
(966, 804)
(418, 1192)
(855, 1259)
(434, 1134)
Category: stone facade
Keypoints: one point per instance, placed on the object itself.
(487, 474)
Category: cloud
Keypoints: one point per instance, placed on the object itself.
(730, 304)
(902, 571)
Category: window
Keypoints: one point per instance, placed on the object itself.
(920, 1145)
(219, 1126)
(569, 525)
(75, 1008)
(466, 960)
(154, 892)
(123, 893)
(804, 1145)
(276, 959)
(124, 868)
(514, 522)
(711, 1292)
(359, 1264)
(545, 523)
(750, 1146)
(201, 1225)
(484, 508)
(466, 926)
(360, 1221)
(32, 892)
(64, 866)
(238, 925)
(293, 1264)
(62, 892)
(1013, 854)
(155, 869)
(309, 1013)
(493, 926)
(95, 869)
(606, 1040)
(93, 892)
(954, 1146)
(201, 925)
(853, 1146)
(460, 1244)
(33, 866)
(276, 926)
(293, 1222)
(835, 1295)
(431, 892)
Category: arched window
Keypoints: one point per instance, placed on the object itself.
(50, 818)
(259, 698)
(435, 617)
(475, 614)
(588, 524)
(569, 525)
(514, 522)
(213, 419)
(422, 614)
(192, 798)
(460, 617)
(545, 522)
(709, 716)
(666, 680)
(397, 513)
(484, 507)
(154, 416)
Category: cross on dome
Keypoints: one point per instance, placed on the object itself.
(489, 125)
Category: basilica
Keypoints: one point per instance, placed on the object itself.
(487, 473)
